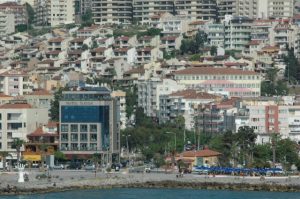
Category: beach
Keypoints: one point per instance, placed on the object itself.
(62, 180)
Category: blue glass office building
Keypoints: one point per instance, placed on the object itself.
(89, 122)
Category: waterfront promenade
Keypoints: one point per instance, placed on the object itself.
(76, 179)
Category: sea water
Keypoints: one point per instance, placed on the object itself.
(157, 194)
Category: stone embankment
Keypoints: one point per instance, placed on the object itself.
(66, 181)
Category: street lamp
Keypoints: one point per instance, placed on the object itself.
(175, 138)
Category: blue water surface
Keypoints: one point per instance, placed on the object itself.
(157, 194)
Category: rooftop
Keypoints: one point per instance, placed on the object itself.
(214, 71)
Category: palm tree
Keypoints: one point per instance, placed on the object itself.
(17, 144)
(3, 155)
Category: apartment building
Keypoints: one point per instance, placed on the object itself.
(237, 83)
(54, 12)
(150, 90)
(194, 9)
(7, 25)
(143, 10)
(216, 34)
(227, 7)
(112, 12)
(41, 12)
(18, 10)
(89, 123)
(18, 119)
(15, 83)
(148, 54)
(121, 97)
(237, 32)
(280, 8)
(61, 12)
(181, 103)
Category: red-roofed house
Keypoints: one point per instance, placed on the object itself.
(77, 43)
(128, 54)
(146, 41)
(125, 42)
(205, 157)
(57, 43)
(170, 42)
(148, 54)
(42, 141)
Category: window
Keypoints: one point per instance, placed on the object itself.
(83, 128)
(74, 137)
(64, 137)
(64, 128)
(83, 146)
(83, 137)
(93, 138)
(74, 128)
(93, 128)
(93, 146)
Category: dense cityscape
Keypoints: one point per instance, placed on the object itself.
(184, 86)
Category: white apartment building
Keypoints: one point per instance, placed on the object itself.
(112, 12)
(17, 120)
(121, 96)
(54, 12)
(216, 34)
(15, 83)
(61, 12)
(237, 32)
(7, 24)
(150, 90)
(238, 83)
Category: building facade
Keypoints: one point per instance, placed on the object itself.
(112, 12)
(15, 83)
(236, 82)
(89, 123)
(18, 119)
(7, 25)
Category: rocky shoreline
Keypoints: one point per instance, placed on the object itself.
(169, 184)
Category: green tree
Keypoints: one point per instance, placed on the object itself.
(246, 138)
(30, 13)
(17, 144)
(131, 101)
(271, 86)
(84, 47)
(4, 155)
(87, 18)
(213, 50)
(54, 109)
(292, 72)
(59, 156)
(96, 158)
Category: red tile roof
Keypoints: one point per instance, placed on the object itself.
(202, 153)
(213, 71)
(3, 95)
(168, 38)
(13, 73)
(193, 94)
(80, 39)
(98, 50)
(53, 52)
(121, 49)
(135, 70)
(122, 38)
(15, 106)
(56, 39)
(40, 92)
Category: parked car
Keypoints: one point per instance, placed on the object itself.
(90, 167)
(58, 166)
